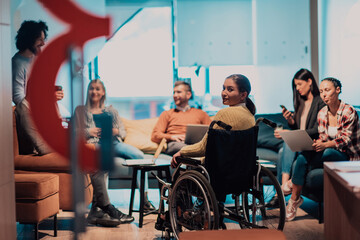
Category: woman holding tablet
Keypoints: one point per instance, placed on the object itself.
(339, 140)
(307, 103)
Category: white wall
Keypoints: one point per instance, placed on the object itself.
(282, 34)
(340, 45)
(7, 187)
(269, 39)
(214, 32)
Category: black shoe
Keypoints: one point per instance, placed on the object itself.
(98, 216)
(94, 214)
(162, 224)
(148, 206)
(159, 225)
(115, 213)
(274, 202)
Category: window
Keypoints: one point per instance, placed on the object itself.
(136, 64)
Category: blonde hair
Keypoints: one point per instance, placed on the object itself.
(102, 100)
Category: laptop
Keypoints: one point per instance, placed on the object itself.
(147, 161)
(297, 140)
(195, 132)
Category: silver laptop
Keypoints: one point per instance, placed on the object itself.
(147, 161)
(195, 132)
(297, 140)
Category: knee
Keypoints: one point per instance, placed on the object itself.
(331, 155)
(138, 154)
(299, 170)
(300, 161)
(135, 154)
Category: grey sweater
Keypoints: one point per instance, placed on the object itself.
(20, 71)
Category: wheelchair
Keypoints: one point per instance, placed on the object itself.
(197, 193)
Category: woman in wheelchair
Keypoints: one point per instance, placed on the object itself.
(240, 114)
(230, 166)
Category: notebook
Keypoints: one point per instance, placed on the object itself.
(297, 140)
(195, 132)
(147, 161)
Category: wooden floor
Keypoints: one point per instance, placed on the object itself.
(304, 227)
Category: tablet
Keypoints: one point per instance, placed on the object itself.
(195, 132)
(297, 140)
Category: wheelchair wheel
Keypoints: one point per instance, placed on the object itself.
(256, 206)
(192, 204)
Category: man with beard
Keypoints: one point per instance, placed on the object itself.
(172, 123)
(29, 41)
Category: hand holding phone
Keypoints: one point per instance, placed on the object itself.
(59, 94)
(58, 88)
(282, 106)
(289, 116)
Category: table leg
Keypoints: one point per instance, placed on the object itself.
(133, 187)
(55, 225)
(142, 193)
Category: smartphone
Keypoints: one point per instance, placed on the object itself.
(282, 106)
(58, 88)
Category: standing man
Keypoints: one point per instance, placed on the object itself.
(30, 39)
(172, 123)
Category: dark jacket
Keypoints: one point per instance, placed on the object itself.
(311, 120)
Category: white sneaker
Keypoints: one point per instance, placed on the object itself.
(287, 188)
(292, 207)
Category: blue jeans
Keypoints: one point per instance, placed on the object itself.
(127, 151)
(314, 160)
(286, 159)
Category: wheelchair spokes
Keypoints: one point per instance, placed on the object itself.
(193, 206)
(256, 203)
(190, 206)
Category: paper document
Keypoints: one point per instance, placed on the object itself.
(297, 140)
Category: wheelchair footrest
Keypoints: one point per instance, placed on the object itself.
(162, 224)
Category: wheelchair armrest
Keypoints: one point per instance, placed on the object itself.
(188, 161)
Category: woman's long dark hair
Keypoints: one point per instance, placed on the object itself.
(244, 85)
(305, 75)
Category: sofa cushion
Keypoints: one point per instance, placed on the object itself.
(35, 186)
(267, 154)
(266, 137)
(51, 162)
(138, 134)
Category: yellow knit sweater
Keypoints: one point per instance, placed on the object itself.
(240, 118)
